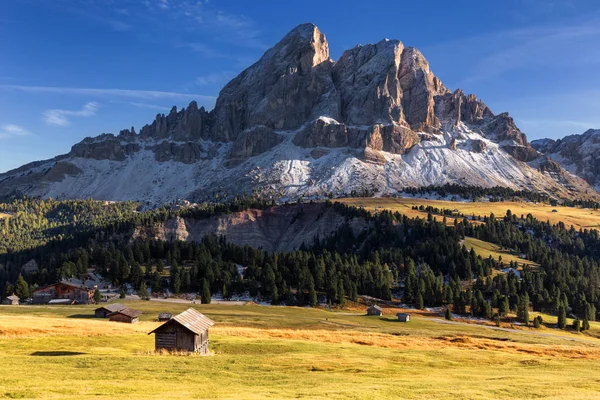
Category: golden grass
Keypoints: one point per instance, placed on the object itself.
(578, 217)
(286, 352)
(486, 249)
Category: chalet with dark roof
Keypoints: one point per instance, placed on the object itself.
(126, 315)
(105, 311)
(187, 331)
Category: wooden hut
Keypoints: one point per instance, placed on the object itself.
(12, 300)
(375, 310)
(125, 315)
(164, 316)
(105, 311)
(403, 317)
(187, 331)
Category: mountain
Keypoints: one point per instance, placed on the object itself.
(297, 123)
(578, 154)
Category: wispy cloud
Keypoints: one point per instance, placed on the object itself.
(9, 131)
(211, 79)
(139, 94)
(61, 117)
(489, 56)
(143, 105)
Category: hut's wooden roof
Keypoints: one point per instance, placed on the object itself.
(128, 312)
(376, 308)
(13, 297)
(165, 315)
(192, 320)
(112, 307)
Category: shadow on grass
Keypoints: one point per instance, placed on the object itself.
(56, 353)
(82, 316)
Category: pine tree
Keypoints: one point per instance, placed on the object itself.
(562, 317)
(97, 296)
(577, 325)
(22, 288)
(143, 292)
(586, 325)
(122, 294)
(312, 294)
(206, 295)
(419, 302)
(448, 314)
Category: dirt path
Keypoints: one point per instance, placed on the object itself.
(496, 328)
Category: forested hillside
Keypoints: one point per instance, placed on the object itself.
(422, 260)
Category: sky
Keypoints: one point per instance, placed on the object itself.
(76, 68)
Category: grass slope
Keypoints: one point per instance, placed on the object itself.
(578, 217)
(486, 249)
(288, 352)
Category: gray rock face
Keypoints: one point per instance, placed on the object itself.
(253, 142)
(103, 147)
(187, 153)
(391, 138)
(577, 153)
(60, 170)
(283, 90)
(478, 146)
(321, 133)
(187, 124)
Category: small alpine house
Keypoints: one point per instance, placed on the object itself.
(187, 331)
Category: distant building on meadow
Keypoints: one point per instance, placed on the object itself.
(375, 310)
(105, 311)
(11, 300)
(403, 317)
(63, 291)
(126, 315)
(164, 316)
(187, 331)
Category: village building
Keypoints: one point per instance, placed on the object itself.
(126, 315)
(375, 310)
(105, 311)
(403, 317)
(11, 300)
(63, 291)
(162, 317)
(187, 331)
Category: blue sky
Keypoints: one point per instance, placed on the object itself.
(76, 68)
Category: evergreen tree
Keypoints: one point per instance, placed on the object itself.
(562, 317)
(419, 302)
(97, 296)
(22, 288)
(122, 293)
(448, 314)
(143, 292)
(206, 295)
(312, 294)
(577, 325)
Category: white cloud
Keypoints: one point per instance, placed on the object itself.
(140, 94)
(8, 131)
(163, 4)
(60, 117)
(212, 79)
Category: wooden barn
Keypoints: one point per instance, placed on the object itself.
(126, 315)
(375, 310)
(12, 300)
(105, 311)
(187, 331)
(164, 316)
(403, 317)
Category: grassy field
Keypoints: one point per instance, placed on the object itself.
(288, 352)
(486, 249)
(578, 217)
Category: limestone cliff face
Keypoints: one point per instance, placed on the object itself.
(579, 154)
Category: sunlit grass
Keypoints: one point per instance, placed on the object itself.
(286, 352)
(578, 217)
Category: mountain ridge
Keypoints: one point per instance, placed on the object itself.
(298, 124)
